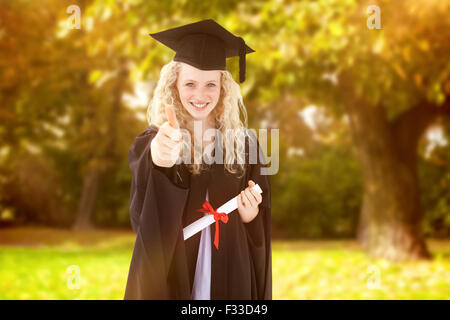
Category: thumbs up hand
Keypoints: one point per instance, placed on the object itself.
(172, 117)
(166, 145)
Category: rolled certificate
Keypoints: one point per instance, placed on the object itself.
(207, 220)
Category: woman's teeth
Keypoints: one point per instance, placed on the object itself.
(199, 106)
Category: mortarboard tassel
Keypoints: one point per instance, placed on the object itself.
(241, 60)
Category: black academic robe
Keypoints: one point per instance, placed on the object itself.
(165, 200)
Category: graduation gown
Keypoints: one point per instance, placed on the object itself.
(165, 200)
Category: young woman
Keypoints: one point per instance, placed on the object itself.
(196, 91)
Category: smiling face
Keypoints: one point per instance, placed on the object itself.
(199, 90)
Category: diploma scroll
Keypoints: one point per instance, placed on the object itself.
(207, 220)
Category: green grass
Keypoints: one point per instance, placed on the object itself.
(336, 270)
(35, 264)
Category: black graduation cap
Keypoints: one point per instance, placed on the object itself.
(205, 45)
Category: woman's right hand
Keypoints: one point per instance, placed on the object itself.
(166, 145)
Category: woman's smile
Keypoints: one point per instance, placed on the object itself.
(199, 106)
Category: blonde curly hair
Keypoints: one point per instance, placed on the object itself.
(226, 115)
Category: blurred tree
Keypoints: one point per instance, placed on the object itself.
(392, 82)
(31, 104)
(386, 135)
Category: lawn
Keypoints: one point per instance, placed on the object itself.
(42, 263)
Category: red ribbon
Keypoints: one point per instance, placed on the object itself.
(207, 208)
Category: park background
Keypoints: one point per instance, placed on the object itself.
(361, 96)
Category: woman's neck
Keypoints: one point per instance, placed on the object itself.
(208, 123)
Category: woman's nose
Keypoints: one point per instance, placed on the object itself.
(200, 94)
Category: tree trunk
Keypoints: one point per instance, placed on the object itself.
(87, 202)
(93, 178)
(391, 218)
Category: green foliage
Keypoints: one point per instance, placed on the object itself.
(435, 182)
(324, 195)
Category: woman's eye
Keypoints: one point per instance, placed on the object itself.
(212, 84)
(189, 84)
